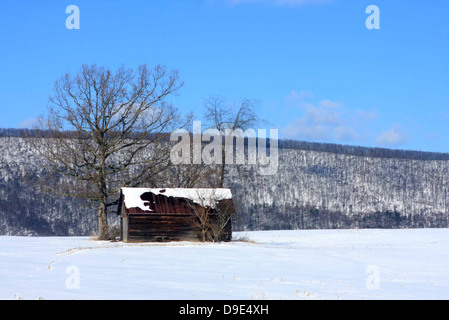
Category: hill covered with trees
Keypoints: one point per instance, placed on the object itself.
(317, 185)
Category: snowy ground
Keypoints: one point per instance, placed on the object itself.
(318, 264)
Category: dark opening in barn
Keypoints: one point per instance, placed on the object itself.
(176, 214)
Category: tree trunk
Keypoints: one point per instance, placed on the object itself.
(222, 169)
(102, 221)
(103, 229)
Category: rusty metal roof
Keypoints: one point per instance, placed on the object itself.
(171, 200)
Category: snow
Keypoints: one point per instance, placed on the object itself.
(315, 264)
(201, 196)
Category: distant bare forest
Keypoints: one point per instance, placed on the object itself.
(318, 185)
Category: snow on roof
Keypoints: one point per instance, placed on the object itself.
(202, 196)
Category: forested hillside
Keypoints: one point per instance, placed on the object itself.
(317, 189)
(316, 186)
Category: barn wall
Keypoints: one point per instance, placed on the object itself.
(160, 227)
(165, 227)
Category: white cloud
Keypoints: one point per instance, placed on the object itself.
(28, 123)
(345, 133)
(323, 121)
(392, 137)
(323, 115)
(327, 120)
(368, 115)
(326, 103)
(295, 98)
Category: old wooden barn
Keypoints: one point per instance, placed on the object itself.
(175, 214)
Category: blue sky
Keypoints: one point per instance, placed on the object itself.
(318, 73)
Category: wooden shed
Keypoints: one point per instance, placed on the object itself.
(175, 214)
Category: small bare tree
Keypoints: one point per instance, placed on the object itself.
(221, 115)
(224, 212)
(212, 214)
(191, 175)
(106, 130)
(201, 220)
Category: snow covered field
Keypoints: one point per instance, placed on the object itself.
(317, 264)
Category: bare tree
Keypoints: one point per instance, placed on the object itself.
(201, 219)
(107, 130)
(221, 115)
(221, 228)
(192, 175)
(212, 214)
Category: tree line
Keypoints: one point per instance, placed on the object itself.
(283, 144)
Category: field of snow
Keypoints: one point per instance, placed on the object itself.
(317, 264)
